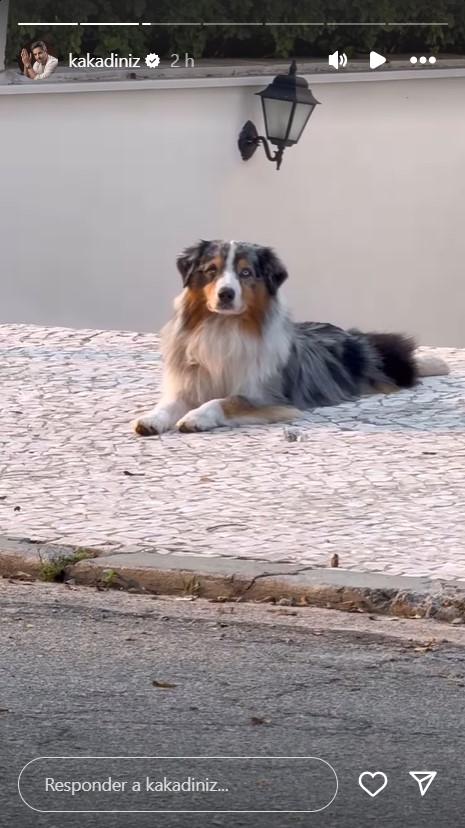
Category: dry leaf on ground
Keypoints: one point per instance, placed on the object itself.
(258, 720)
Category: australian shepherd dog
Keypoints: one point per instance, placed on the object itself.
(233, 356)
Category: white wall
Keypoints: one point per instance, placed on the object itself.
(99, 192)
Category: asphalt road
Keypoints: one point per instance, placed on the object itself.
(77, 673)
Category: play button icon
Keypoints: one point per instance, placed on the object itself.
(376, 60)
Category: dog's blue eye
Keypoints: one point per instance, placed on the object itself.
(246, 272)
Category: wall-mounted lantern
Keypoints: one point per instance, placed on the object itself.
(287, 105)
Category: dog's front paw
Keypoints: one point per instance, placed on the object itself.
(150, 424)
(162, 418)
(200, 419)
(189, 424)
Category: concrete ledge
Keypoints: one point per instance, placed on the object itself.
(222, 579)
(223, 73)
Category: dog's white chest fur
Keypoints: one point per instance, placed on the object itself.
(232, 361)
(222, 359)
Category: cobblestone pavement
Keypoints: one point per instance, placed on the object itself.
(381, 482)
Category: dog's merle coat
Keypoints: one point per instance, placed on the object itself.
(328, 365)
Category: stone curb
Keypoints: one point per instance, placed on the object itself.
(230, 579)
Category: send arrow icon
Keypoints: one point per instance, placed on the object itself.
(424, 779)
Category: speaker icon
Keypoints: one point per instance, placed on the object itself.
(337, 60)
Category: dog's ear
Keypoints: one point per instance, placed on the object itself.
(189, 260)
(271, 269)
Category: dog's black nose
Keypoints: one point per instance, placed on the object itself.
(226, 295)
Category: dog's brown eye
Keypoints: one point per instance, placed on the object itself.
(212, 271)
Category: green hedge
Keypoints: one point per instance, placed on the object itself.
(237, 42)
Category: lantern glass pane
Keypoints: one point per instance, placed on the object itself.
(276, 114)
(301, 116)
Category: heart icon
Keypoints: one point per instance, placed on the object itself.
(381, 783)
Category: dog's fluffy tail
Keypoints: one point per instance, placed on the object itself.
(398, 361)
(401, 364)
(431, 366)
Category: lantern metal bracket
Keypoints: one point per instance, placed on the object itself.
(249, 139)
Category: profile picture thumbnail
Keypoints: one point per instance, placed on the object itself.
(36, 61)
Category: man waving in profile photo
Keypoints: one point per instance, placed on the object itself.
(38, 65)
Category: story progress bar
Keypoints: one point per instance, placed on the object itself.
(327, 24)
